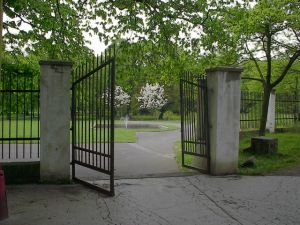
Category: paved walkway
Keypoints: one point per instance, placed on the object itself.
(151, 155)
(194, 200)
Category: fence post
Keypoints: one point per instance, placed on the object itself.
(224, 96)
(55, 121)
(270, 126)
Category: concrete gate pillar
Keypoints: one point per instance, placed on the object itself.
(224, 96)
(55, 121)
(270, 126)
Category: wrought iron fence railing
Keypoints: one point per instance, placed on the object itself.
(19, 118)
(287, 110)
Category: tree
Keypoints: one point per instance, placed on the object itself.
(152, 97)
(121, 97)
(49, 28)
(265, 32)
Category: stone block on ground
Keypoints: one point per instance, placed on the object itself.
(264, 145)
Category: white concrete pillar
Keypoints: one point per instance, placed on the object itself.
(224, 119)
(270, 126)
(55, 121)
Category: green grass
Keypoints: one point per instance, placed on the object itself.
(288, 154)
(188, 159)
(86, 131)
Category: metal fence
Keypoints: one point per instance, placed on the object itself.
(251, 107)
(287, 110)
(19, 118)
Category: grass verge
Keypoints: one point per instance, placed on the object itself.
(288, 154)
(188, 159)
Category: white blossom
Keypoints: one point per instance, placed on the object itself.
(121, 97)
(152, 96)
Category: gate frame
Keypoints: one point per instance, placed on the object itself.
(201, 85)
(111, 191)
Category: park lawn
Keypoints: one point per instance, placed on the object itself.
(85, 134)
(288, 155)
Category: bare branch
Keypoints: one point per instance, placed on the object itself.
(256, 64)
(295, 56)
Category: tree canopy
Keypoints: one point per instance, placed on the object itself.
(50, 28)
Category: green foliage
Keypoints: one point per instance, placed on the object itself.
(19, 73)
(50, 28)
(287, 85)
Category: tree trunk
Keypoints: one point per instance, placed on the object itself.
(264, 111)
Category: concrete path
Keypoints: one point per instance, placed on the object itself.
(160, 201)
(152, 155)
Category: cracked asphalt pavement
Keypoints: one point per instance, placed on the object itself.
(198, 199)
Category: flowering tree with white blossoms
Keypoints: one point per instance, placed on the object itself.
(121, 97)
(152, 97)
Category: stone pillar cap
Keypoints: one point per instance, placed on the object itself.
(224, 69)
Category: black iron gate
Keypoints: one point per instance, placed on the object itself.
(194, 122)
(93, 120)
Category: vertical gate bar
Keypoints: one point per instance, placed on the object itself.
(82, 113)
(194, 119)
(73, 130)
(9, 131)
(89, 110)
(182, 120)
(24, 115)
(75, 142)
(186, 113)
(185, 97)
(203, 105)
(186, 116)
(102, 98)
(85, 113)
(189, 113)
(96, 102)
(202, 115)
(93, 98)
(199, 114)
(30, 151)
(112, 129)
(109, 113)
(192, 115)
(106, 93)
(17, 122)
(38, 122)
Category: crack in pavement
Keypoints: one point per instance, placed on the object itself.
(214, 202)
